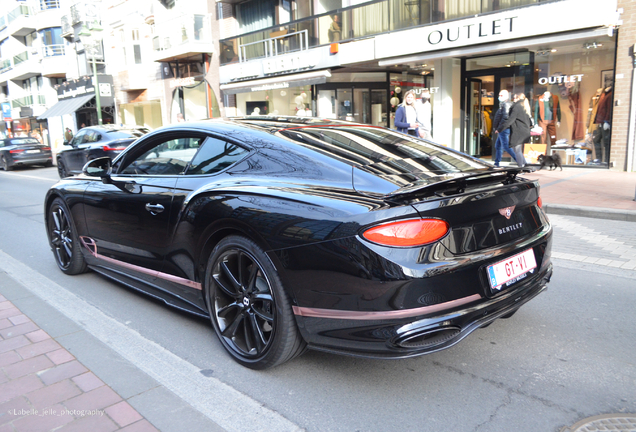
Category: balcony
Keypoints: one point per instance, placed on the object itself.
(54, 63)
(25, 65)
(28, 101)
(183, 37)
(67, 28)
(136, 77)
(84, 12)
(20, 22)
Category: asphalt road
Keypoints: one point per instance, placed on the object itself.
(566, 355)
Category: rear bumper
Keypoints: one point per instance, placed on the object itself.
(410, 337)
(31, 160)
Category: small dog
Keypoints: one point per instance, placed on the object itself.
(552, 162)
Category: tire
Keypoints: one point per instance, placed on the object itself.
(5, 164)
(63, 239)
(249, 309)
(61, 169)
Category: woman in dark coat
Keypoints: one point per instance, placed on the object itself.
(519, 123)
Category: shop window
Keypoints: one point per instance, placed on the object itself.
(409, 13)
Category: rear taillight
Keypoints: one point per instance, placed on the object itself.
(412, 232)
(46, 148)
(540, 203)
(16, 151)
(108, 148)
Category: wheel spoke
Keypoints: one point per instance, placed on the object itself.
(257, 333)
(230, 331)
(223, 311)
(225, 269)
(56, 220)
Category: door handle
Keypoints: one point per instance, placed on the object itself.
(154, 208)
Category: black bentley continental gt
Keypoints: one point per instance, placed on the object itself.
(304, 233)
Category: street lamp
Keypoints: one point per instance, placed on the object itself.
(92, 38)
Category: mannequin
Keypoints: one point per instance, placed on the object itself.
(547, 114)
(603, 119)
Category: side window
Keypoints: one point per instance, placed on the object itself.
(78, 139)
(165, 157)
(89, 137)
(215, 156)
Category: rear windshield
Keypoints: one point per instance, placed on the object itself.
(385, 150)
(19, 141)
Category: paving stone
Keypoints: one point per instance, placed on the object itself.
(28, 366)
(140, 426)
(99, 398)
(19, 319)
(19, 387)
(61, 372)
(60, 356)
(14, 343)
(37, 349)
(53, 394)
(94, 423)
(87, 381)
(37, 336)
(43, 421)
(8, 358)
(123, 414)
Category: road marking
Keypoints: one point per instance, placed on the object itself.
(229, 408)
(29, 176)
(600, 241)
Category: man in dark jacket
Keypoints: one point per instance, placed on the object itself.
(519, 124)
(502, 138)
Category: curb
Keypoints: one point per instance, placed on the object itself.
(590, 212)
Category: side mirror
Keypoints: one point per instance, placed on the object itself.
(100, 167)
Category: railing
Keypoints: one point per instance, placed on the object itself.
(49, 4)
(67, 28)
(181, 30)
(351, 23)
(22, 57)
(53, 50)
(26, 101)
(84, 12)
(22, 10)
(5, 65)
(270, 47)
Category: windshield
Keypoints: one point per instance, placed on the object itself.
(20, 141)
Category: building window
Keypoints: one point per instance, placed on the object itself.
(137, 51)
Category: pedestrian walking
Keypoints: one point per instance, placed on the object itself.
(406, 115)
(502, 139)
(519, 123)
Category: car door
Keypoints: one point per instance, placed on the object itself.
(192, 211)
(127, 218)
(75, 158)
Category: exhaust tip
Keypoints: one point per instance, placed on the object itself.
(428, 338)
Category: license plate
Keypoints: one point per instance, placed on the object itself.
(506, 272)
(33, 151)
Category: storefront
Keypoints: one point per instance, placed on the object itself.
(561, 58)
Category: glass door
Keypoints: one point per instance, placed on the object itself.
(472, 110)
(345, 104)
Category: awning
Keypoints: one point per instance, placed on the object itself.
(278, 82)
(66, 106)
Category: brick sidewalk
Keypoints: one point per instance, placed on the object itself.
(43, 387)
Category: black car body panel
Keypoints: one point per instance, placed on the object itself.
(305, 193)
(23, 151)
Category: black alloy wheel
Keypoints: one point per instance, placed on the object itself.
(5, 164)
(249, 308)
(61, 169)
(63, 239)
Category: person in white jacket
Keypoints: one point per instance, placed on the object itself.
(424, 115)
